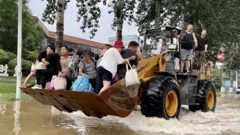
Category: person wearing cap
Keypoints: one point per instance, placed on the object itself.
(107, 68)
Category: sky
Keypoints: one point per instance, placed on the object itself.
(72, 27)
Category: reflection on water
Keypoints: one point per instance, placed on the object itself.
(16, 108)
(32, 118)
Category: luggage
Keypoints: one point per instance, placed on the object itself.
(82, 84)
(73, 66)
(58, 83)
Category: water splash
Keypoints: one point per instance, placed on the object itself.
(226, 119)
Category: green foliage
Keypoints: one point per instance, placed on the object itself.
(220, 18)
(218, 77)
(32, 34)
(32, 55)
(26, 66)
(88, 13)
(10, 59)
(5, 57)
(232, 57)
(154, 13)
(123, 10)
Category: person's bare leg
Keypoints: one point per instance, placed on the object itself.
(187, 66)
(103, 92)
(29, 77)
(182, 65)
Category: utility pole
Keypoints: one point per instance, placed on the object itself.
(19, 52)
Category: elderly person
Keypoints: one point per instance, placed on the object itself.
(87, 66)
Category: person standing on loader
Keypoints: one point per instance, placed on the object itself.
(188, 42)
(202, 46)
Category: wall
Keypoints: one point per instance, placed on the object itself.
(75, 46)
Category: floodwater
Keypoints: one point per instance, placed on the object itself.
(32, 118)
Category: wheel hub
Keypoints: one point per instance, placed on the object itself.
(210, 99)
(171, 103)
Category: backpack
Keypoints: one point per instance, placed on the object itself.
(82, 84)
(73, 66)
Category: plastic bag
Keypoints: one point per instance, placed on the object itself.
(82, 84)
(131, 77)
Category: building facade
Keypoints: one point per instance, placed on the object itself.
(125, 39)
(70, 41)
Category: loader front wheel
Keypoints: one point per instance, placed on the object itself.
(160, 98)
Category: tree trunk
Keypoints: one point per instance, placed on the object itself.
(119, 22)
(157, 14)
(183, 19)
(60, 25)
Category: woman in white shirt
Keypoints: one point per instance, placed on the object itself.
(107, 68)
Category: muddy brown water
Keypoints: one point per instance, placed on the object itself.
(32, 118)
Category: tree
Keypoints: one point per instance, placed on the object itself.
(154, 13)
(221, 21)
(123, 10)
(88, 13)
(60, 24)
(219, 18)
(32, 33)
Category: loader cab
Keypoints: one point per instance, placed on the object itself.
(163, 41)
(160, 40)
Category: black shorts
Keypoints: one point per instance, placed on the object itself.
(106, 75)
(102, 75)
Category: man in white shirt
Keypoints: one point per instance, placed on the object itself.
(107, 68)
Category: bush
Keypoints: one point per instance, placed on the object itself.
(26, 66)
(5, 57)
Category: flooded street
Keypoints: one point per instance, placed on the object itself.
(32, 118)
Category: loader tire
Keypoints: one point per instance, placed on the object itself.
(161, 98)
(194, 108)
(206, 97)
